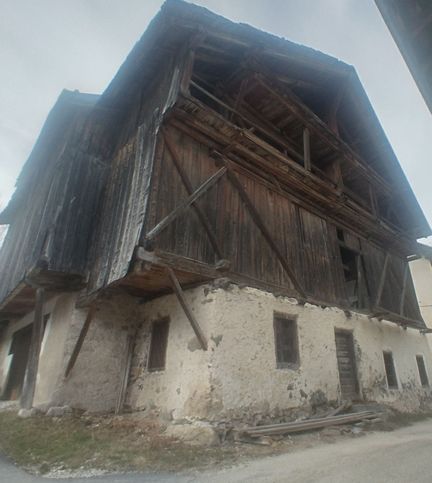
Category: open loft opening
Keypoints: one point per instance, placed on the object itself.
(307, 115)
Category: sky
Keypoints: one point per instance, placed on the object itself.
(48, 45)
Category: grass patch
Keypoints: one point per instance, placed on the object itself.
(131, 443)
(40, 444)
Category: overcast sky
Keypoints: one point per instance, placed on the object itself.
(48, 45)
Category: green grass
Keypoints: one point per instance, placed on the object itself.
(40, 444)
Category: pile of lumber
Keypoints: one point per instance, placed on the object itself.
(308, 424)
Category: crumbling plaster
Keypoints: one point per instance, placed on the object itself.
(94, 381)
(6, 340)
(237, 376)
(421, 271)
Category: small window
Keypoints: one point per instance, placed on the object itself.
(422, 371)
(390, 370)
(286, 342)
(158, 345)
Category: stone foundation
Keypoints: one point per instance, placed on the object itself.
(236, 378)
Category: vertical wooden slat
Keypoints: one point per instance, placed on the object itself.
(306, 149)
(29, 385)
(382, 281)
(187, 184)
(260, 224)
(404, 284)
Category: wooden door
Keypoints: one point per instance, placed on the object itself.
(346, 365)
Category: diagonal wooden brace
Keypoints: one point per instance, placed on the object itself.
(80, 341)
(188, 186)
(185, 204)
(259, 222)
(189, 314)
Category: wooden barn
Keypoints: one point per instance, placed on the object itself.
(225, 231)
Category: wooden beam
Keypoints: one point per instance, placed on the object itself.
(130, 343)
(390, 316)
(29, 385)
(404, 284)
(189, 189)
(203, 188)
(382, 281)
(189, 314)
(306, 149)
(322, 131)
(80, 341)
(184, 264)
(258, 221)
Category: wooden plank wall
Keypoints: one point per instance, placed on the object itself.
(125, 199)
(57, 198)
(309, 242)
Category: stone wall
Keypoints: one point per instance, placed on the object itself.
(94, 381)
(50, 333)
(237, 377)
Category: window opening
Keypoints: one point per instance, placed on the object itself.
(422, 371)
(286, 341)
(158, 345)
(390, 370)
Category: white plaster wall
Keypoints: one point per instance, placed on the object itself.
(237, 376)
(421, 271)
(183, 388)
(5, 359)
(95, 379)
(52, 354)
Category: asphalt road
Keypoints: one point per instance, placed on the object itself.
(401, 456)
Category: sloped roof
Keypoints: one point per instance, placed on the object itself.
(59, 118)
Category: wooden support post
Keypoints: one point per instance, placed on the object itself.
(382, 281)
(372, 199)
(80, 341)
(130, 343)
(189, 314)
(360, 290)
(187, 202)
(306, 149)
(29, 385)
(404, 284)
(258, 221)
(188, 186)
(189, 52)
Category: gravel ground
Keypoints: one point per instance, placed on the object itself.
(400, 456)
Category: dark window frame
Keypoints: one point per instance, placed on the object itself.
(390, 370)
(292, 361)
(156, 360)
(424, 378)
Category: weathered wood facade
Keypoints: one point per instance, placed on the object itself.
(217, 151)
